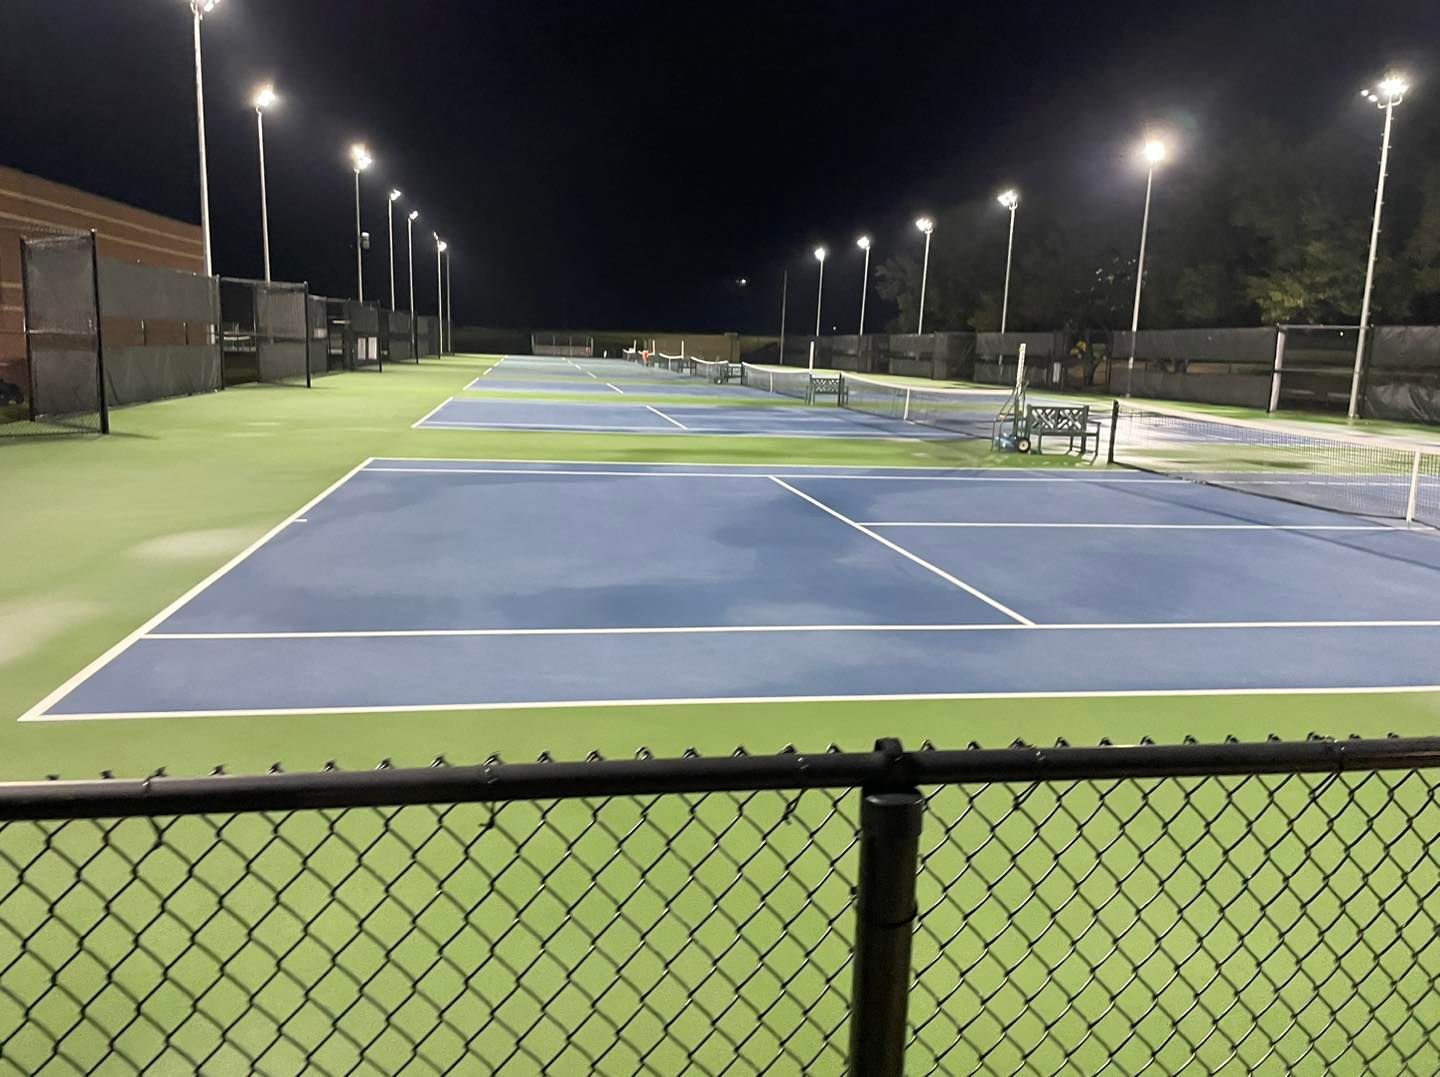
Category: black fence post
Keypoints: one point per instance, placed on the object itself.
(885, 912)
(99, 334)
(1114, 427)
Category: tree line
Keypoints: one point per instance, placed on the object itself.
(1253, 231)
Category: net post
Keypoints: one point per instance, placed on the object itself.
(1114, 426)
(1414, 488)
(885, 913)
(99, 333)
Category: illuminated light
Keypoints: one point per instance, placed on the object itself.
(820, 253)
(1009, 199)
(925, 224)
(414, 214)
(1393, 86)
(395, 195)
(1154, 151)
(360, 157)
(863, 243)
(265, 97)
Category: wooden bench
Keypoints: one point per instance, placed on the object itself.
(1059, 420)
(824, 385)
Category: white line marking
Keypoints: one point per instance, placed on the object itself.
(125, 644)
(1147, 527)
(667, 418)
(301, 520)
(411, 708)
(610, 385)
(674, 630)
(955, 580)
(420, 422)
(1095, 474)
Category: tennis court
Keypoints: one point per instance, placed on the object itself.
(433, 585)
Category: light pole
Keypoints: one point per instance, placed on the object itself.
(410, 254)
(390, 228)
(820, 253)
(360, 161)
(449, 299)
(926, 225)
(864, 244)
(199, 9)
(1154, 152)
(1010, 200)
(784, 301)
(264, 98)
(1386, 96)
(440, 288)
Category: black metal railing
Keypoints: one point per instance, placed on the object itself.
(1188, 908)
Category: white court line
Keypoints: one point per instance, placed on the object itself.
(417, 424)
(617, 388)
(667, 418)
(947, 577)
(125, 644)
(1091, 474)
(706, 431)
(727, 630)
(1144, 527)
(411, 708)
(641, 474)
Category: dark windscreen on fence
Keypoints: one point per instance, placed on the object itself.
(1216, 366)
(398, 336)
(160, 332)
(62, 376)
(1402, 383)
(263, 332)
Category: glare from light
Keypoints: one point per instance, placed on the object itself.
(1393, 86)
(264, 97)
(863, 243)
(1009, 199)
(1154, 151)
(360, 157)
(442, 246)
(742, 281)
(204, 7)
(820, 253)
(395, 195)
(925, 224)
(414, 214)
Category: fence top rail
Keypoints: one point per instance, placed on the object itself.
(888, 767)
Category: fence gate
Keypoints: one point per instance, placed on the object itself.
(63, 390)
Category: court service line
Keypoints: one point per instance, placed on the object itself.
(898, 697)
(125, 644)
(419, 422)
(667, 418)
(1141, 527)
(903, 552)
(642, 474)
(741, 630)
(610, 385)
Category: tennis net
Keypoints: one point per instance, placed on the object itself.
(794, 383)
(713, 371)
(676, 364)
(1362, 476)
(970, 412)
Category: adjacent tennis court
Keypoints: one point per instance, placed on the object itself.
(432, 584)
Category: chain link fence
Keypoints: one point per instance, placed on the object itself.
(1217, 908)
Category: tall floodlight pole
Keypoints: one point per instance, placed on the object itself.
(784, 299)
(864, 244)
(1386, 96)
(390, 228)
(264, 98)
(1153, 152)
(440, 288)
(199, 9)
(1010, 200)
(360, 161)
(926, 225)
(410, 253)
(450, 299)
(820, 253)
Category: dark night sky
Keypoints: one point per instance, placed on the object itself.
(617, 163)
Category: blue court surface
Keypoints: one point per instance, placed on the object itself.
(620, 417)
(432, 584)
(620, 387)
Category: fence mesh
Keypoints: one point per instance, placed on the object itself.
(622, 935)
(264, 332)
(1276, 920)
(1260, 924)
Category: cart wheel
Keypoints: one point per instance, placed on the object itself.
(1022, 444)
